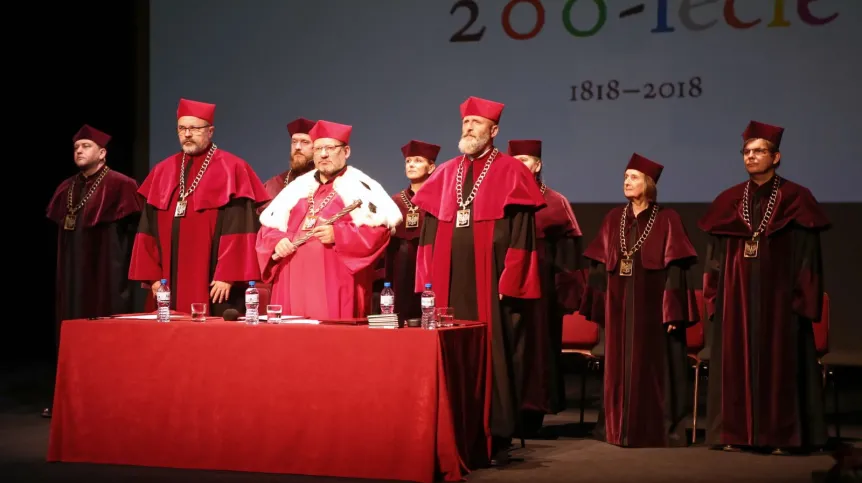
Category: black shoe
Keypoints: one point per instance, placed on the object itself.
(46, 413)
(500, 458)
(500, 451)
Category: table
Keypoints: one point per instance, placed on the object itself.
(351, 401)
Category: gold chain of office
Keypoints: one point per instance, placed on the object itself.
(628, 253)
(183, 193)
(70, 194)
(459, 181)
(411, 208)
(769, 207)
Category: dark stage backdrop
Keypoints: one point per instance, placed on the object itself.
(87, 74)
(103, 80)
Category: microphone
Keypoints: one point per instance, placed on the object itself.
(231, 314)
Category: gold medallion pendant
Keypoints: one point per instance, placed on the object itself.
(309, 222)
(69, 222)
(412, 220)
(463, 219)
(751, 248)
(181, 209)
(627, 267)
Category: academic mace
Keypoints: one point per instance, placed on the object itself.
(307, 235)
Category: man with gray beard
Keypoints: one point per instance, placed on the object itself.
(478, 249)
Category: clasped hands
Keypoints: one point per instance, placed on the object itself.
(284, 248)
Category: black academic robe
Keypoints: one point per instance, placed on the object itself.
(93, 257)
(400, 261)
(472, 267)
(646, 389)
(558, 242)
(764, 386)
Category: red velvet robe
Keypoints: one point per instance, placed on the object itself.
(764, 387)
(273, 187)
(400, 262)
(646, 390)
(318, 281)
(471, 267)
(93, 259)
(562, 281)
(214, 241)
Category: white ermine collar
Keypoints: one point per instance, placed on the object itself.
(377, 208)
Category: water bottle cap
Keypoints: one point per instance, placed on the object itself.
(387, 284)
(427, 285)
(164, 281)
(251, 283)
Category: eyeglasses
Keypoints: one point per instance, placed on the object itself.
(192, 129)
(321, 149)
(756, 152)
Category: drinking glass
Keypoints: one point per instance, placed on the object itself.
(273, 314)
(199, 312)
(445, 317)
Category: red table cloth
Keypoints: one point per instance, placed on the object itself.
(334, 400)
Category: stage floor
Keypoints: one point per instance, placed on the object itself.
(567, 454)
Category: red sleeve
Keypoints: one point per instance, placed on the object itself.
(808, 289)
(679, 301)
(267, 239)
(237, 231)
(520, 277)
(595, 293)
(569, 279)
(712, 274)
(425, 252)
(359, 246)
(146, 261)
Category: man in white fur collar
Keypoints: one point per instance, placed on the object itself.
(330, 275)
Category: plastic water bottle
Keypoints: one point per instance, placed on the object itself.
(163, 301)
(252, 300)
(387, 299)
(428, 306)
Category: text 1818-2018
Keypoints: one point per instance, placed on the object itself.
(611, 90)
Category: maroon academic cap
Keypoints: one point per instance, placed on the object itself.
(419, 148)
(333, 130)
(645, 166)
(300, 126)
(476, 106)
(93, 134)
(759, 130)
(529, 147)
(200, 110)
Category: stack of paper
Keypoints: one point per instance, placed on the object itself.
(299, 320)
(383, 321)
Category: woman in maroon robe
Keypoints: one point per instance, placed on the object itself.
(638, 290)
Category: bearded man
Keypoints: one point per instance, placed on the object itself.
(478, 250)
